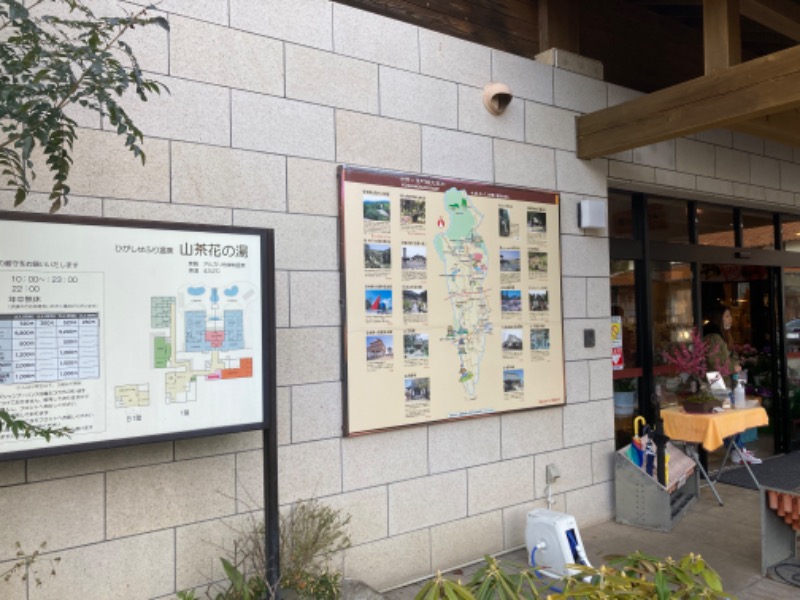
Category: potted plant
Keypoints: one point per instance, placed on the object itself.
(691, 361)
(624, 397)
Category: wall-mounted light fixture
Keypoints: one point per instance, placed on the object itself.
(497, 97)
(592, 214)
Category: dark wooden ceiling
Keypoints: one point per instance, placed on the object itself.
(646, 45)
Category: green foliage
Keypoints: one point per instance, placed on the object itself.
(18, 428)
(23, 565)
(50, 62)
(310, 534)
(636, 575)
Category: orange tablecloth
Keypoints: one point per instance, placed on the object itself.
(710, 429)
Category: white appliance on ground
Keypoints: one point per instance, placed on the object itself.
(553, 541)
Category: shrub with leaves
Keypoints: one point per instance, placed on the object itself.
(50, 62)
(636, 575)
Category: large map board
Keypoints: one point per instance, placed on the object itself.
(453, 299)
(126, 331)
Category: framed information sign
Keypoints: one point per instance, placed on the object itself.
(452, 299)
(133, 331)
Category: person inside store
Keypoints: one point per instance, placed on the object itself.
(717, 331)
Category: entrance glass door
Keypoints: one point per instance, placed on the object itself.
(791, 311)
(745, 291)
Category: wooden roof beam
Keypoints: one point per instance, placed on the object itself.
(781, 127)
(722, 34)
(760, 87)
(782, 16)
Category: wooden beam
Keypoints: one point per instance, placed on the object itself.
(559, 25)
(781, 127)
(760, 87)
(722, 34)
(782, 16)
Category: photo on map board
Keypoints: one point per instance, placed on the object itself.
(513, 380)
(537, 262)
(412, 211)
(505, 222)
(380, 347)
(415, 301)
(510, 300)
(415, 345)
(377, 208)
(377, 256)
(512, 339)
(509, 261)
(537, 221)
(378, 302)
(415, 257)
(418, 388)
(540, 339)
(538, 300)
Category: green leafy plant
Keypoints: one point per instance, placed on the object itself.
(49, 63)
(20, 428)
(635, 575)
(23, 565)
(311, 533)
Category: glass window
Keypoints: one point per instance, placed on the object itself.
(620, 215)
(672, 320)
(757, 230)
(790, 233)
(667, 220)
(715, 226)
(623, 313)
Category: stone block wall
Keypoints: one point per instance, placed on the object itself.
(267, 98)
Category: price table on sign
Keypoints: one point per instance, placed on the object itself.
(49, 347)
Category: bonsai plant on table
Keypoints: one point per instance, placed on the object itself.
(691, 361)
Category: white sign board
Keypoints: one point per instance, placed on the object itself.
(130, 331)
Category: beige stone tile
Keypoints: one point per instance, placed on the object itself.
(581, 176)
(714, 186)
(574, 346)
(62, 513)
(157, 497)
(515, 520)
(368, 510)
(310, 470)
(603, 461)
(192, 111)
(226, 177)
(412, 97)
(600, 379)
(549, 126)
(361, 140)
(371, 460)
(176, 213)
(12, 472)
(426, 501)
(675, 179)
(661, 155)
(199, 547)
(282, 126)
(16, 587)
(206, 10)
(307, 22)
(299, 359)
(592, 505)
(584, 256)
(528, 79)
(282, 308)
(461, 542)
(375, 38)
(225, 56)
(631, 172)
(284, 423)
(574, 465)
(140, 566)
(377, 563)
(463, 443)
(41, 203)
(217, 444)
(732, 165)
(315, 298)
(592, 422)
(474, 118)
(576, 375)
(104, 167)
(532, 431)
(97, 461)
(524, 165)
(456, 154)
(316, 411)
(500, 484)
(312, 187)
(446, 57)
(316, 76)
(249, 481)
(578, 92)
